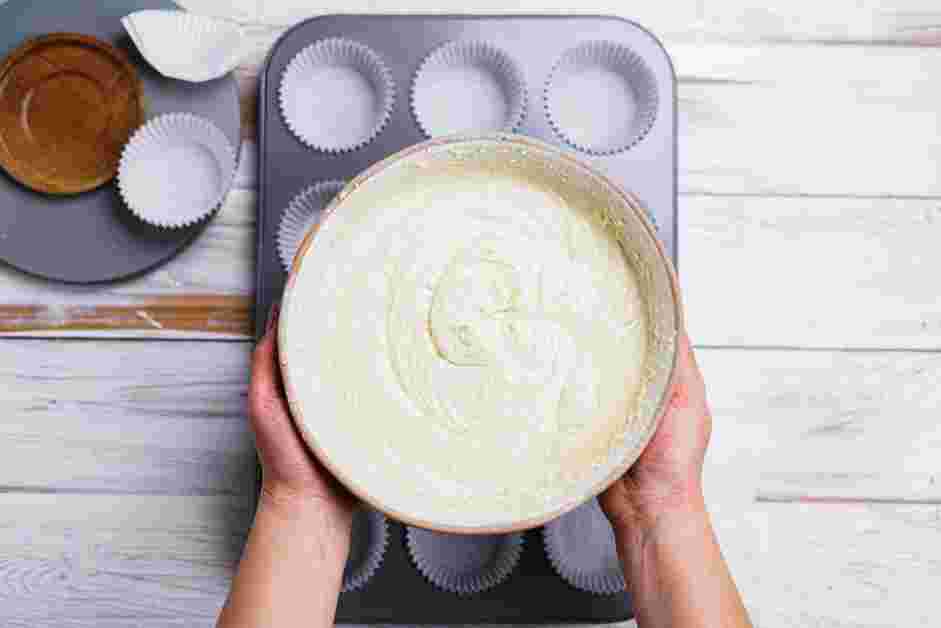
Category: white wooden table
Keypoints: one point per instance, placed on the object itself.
(810, 153)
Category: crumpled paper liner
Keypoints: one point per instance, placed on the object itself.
(187, 46)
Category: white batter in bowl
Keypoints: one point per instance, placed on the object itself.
(479, 335)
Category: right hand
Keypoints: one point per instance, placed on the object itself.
(666, 481)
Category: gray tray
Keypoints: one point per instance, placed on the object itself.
(534, 593)
(92, 237)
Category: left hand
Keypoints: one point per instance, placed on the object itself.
(293, 480)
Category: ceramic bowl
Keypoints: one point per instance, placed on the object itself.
(392, 484)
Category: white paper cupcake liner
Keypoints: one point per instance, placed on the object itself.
(186, 46)
(176, 170)
(368, 545)
(301, 215)
(468, 87)
(581, 547)
(464, 564)
(601, 98)
(336, 95)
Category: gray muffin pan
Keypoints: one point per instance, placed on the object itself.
(644, 163)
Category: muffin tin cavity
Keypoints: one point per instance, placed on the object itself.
(301, 215)
(601, 98)
(336, 95)
(581, 548)
(464, 564)
(368, 544)
(468, 87)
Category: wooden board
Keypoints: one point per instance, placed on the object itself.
(169, 418)
(803, 417)
(125, 417)
(110, 561)
(912, 22)
(811, 272)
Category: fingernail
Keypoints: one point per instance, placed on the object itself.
(272, 317)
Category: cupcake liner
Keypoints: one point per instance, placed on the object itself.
(186, 46)
(368, 545)
(601, 98)
(468, 87)
(336, 95)
(176, 170)
(464, 564)
(581, 547)
(301, 215)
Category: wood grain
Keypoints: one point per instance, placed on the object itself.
(169, 418)
(125, 417)
(842, 487)
(905, 22)
(167, 561)
(821, 272)
(92, 560)
(802, 120)
(811, 272)
(204, 290)
(833, 566)
(796, 415)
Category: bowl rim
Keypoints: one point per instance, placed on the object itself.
(555, 153)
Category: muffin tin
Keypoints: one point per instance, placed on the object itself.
(340, 93)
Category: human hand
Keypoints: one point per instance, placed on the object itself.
(293, 481)
(666, 481)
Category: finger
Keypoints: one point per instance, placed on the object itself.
(265, 390)
(275, 435)
(688, 374)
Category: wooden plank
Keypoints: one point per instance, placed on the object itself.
(204, 290)
(833, 566)
(807, 417)
(109, 561)
(170, 417)
(811, 272)
(913, 22)
(156, 561)
(125, 417)
(797, 414)
(914, 488)
(808, 120)
(820, 272)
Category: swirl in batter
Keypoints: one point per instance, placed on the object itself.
(484, 336)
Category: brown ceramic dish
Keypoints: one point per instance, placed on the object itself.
(68, 105)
